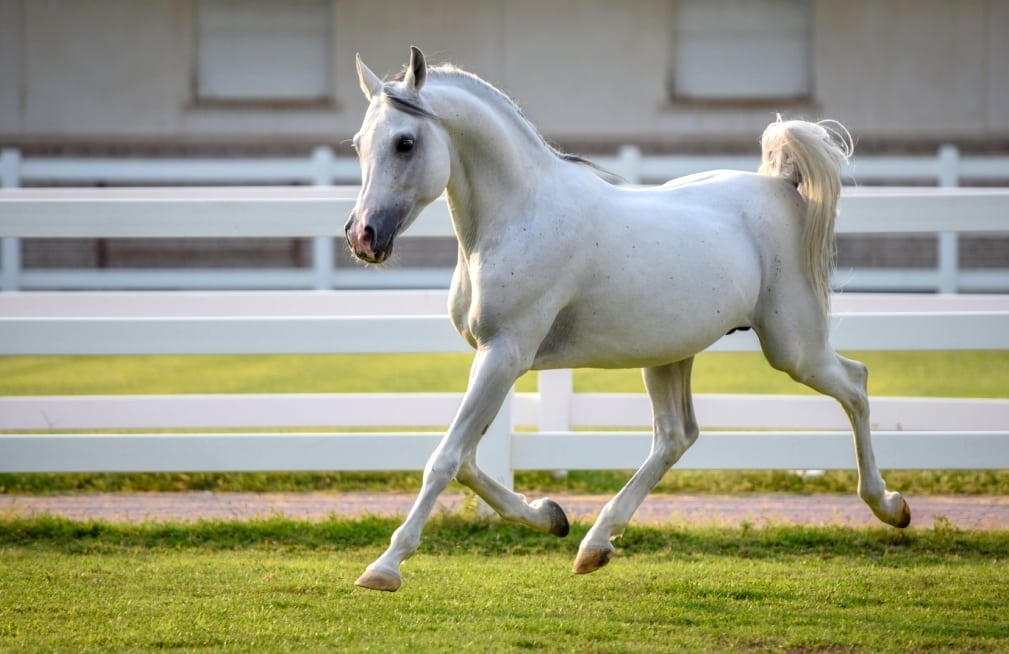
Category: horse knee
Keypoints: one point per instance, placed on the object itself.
(674, 442)
(468, 473)
(686, 437)
(442, 468)
(857, 371)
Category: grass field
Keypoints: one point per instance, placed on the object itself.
(276, 585)
(480, 585)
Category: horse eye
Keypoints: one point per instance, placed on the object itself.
(404, 144)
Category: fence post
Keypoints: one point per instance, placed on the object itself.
(555, 400)
(494, 455)
(555, 404)
(629, 166)
(322, 246)
(10, 248)
(948, 243)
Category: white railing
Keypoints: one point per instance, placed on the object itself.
(772, 431)
(806, 431)
(947, 169)
(319, 213)
(926, 433)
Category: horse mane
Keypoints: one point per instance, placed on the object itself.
(460, 77)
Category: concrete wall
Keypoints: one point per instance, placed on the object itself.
(118, 74)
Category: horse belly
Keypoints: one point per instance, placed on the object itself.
(657, 300)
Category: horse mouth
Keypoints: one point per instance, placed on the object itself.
(366, 252)
(377, 258)
(366, 246)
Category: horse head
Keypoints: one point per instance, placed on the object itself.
(405, 159)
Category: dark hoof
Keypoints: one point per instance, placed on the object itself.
(558, 519)
(559, 525)
(904, 516)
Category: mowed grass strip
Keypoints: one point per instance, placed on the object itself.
(484, 586)
(913, 374)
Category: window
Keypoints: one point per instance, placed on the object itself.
(263, 51)
(741, 49)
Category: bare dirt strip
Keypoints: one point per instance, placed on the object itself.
(965, 512)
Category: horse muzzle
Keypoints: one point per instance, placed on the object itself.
(370, 233)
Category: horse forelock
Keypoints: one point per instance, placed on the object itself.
(409, 106)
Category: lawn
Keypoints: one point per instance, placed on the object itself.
(921, 374)
(480, 586)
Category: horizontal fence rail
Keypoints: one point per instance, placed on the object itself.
(947, 168)
(270, 212)
(805, 431)
(320, 213)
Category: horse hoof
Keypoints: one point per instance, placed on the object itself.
(903, 515)
(559, 525)
(377, 579)
(591, 559)
(901, 518)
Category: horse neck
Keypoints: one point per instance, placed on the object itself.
(498, 161)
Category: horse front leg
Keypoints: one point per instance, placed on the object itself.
(675, 430)
(542, 515)
(495, 369)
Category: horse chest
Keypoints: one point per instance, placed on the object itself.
(460, 301)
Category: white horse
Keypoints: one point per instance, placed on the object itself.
(560, 268)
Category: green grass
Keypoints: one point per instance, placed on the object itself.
(912, 482)
(925, 374)
(277, 585)
(942, 374)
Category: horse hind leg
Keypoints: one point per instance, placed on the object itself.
(812, 362)
(674, 431)
(888, 506)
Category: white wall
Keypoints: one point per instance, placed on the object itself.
(108, 72)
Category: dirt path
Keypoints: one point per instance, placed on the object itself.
(966, 512)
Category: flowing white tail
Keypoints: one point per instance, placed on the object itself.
(810, 155)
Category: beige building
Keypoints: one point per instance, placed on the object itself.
(119, 76)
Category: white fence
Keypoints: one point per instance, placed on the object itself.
(320, 212)
(947, 169)
(771, 432)
(805, 431)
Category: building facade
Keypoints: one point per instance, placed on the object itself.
(107, 76)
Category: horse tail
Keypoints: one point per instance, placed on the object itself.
(810, 156)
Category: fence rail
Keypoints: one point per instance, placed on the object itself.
(806, 432)
(948, 168)
(319, 213)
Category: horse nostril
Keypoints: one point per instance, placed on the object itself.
(369, 236)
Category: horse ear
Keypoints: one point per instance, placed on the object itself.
(371, 85)
(416, 71)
